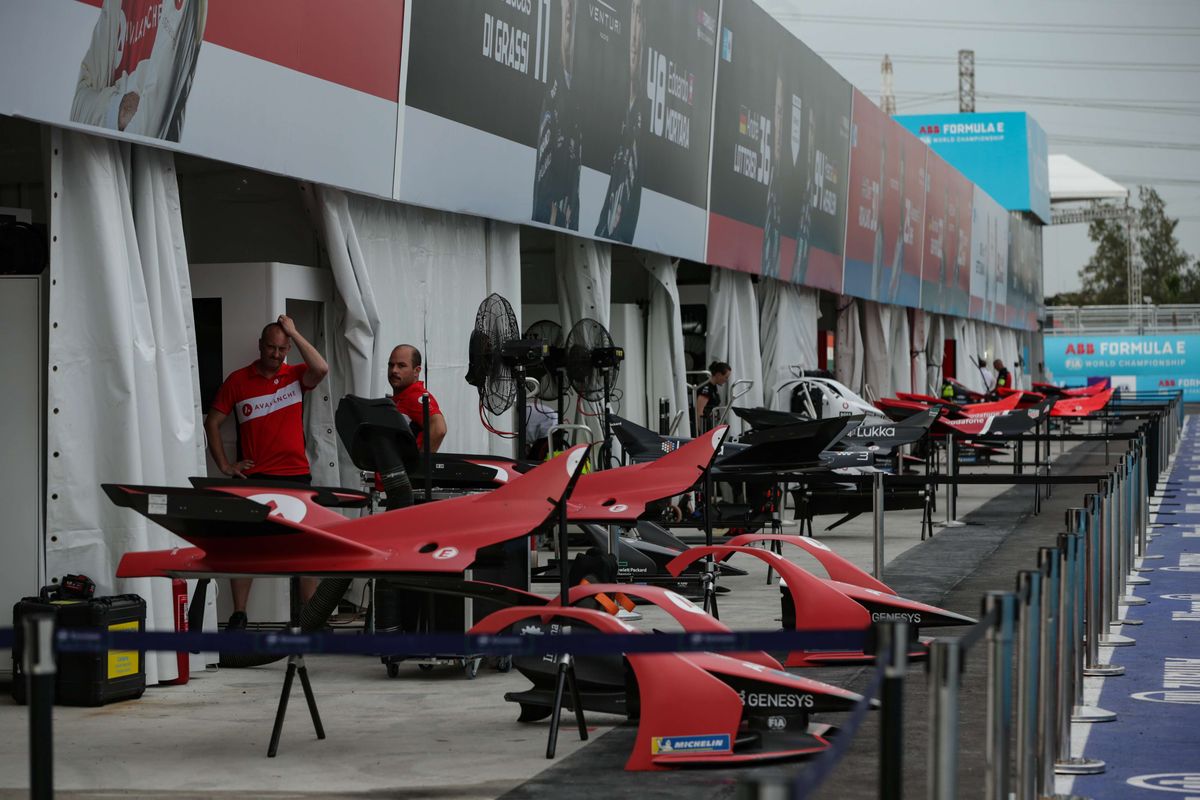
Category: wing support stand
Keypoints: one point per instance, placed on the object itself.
(295, 665)
(709, 575)
(565, 679)
(566, 662)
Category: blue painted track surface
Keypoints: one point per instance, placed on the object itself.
(1153, 748)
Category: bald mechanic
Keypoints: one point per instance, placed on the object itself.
(404, 376)
(268, 399)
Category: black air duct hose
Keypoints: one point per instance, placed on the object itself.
(389, 602)
(385, 452)
(313, 616)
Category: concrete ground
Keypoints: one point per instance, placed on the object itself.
(437, 734)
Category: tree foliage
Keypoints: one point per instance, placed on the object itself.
(1169, 275)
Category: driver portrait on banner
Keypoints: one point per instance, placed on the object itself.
(769, 266)
(619, 216)
(137, 72)
(806, 119)
(560, 135)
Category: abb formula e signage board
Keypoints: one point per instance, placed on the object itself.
(1005, 153)
(885, 224)
(592, 116)
(781, 149)
(1141, 363)
(306, 88)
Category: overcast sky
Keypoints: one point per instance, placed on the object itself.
(1110, 81)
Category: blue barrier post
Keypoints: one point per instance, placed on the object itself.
(893, 647)
(945, 678)
(38, 661)
(999, 692)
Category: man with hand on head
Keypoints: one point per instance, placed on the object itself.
(267, 398)
(404, 376)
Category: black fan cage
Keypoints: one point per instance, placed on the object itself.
(495, 325)
(587, 379)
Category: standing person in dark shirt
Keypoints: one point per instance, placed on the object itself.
(1003, 377)
(560, 137)
(619, 216)
(708, 396)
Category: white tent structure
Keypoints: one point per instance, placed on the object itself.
(1073, 182)
(1080, 194)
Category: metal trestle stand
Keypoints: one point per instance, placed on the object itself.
(566, 662)
(709, 576)
(295, 665)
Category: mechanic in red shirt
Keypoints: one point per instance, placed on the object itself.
(404, 376)
(267, 398)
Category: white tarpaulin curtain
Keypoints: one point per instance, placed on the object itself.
(788, 325)
(900, 352)
(1011, 355)
(920, 358)
(123, 384)
(967, 354)
(666, 363)
(877, 349)
(848, 345)
(583, 276)
(733, 337)
(935, 350)
(408, 275)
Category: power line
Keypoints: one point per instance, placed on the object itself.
(1145, 180)
(1024, 63)
(1102, 104)
(1147, 144)
(1069, 28)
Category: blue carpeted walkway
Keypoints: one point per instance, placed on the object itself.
(1153, 748)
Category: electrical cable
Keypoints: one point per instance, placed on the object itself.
(1097, 141)
(1070, 28)
(1019, 63)
(491, 429)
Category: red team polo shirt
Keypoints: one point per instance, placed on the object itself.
(270, 417)
(408, 402)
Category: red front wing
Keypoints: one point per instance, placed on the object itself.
(689, 712)
(1083, 405)
(249, 530)
(822, 605)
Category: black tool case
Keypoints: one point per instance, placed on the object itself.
(88, 679)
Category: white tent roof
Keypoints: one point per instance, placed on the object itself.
(1071, 181)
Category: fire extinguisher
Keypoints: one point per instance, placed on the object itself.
(180, 607)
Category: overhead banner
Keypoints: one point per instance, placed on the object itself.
(588, 115)
(781, 151)
(305, 88)
(1141, 363)
(1024, 270)
(884, 227)
(946, 255)
(989, 260)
